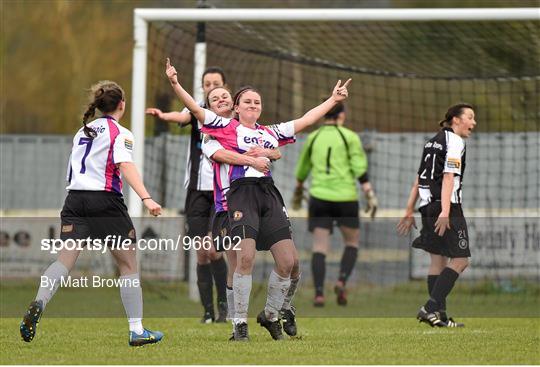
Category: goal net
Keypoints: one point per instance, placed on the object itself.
(405, 75)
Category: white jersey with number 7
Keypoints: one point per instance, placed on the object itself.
(93, 161)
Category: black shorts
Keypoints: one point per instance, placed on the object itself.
(221, 232)
(257, 211)
(199, 212)
(455, 241)
(323, 214)
(95, 214)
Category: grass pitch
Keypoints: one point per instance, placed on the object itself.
(321, 341)
(87, 326)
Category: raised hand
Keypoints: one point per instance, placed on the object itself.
(171, 72)
(340, 92)
(154, 112)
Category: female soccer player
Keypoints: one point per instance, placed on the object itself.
(199, 182)
(444, 229)
(256, 210)
(220, 102)
(94, 208)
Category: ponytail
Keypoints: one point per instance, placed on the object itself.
(454, 111)
(90, 112)
(104, 96)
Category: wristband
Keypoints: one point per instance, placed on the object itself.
(143, 199)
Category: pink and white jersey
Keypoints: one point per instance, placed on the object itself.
(232, 135)
(92, 164)
(220, 170)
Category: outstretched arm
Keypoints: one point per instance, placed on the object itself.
(182, 118)
(184, 96)
(339, 94)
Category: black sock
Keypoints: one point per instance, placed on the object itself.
(219, 272)
(431, 279)
(348, 260)
(204, 282)
(442, 287)
(318, 269)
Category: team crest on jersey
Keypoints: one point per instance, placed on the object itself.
(463, 244)
(67, 228)
(128, 144)
(237, 215)
(453, 163)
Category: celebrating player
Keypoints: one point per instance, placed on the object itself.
(94, 208)
(199, 202)
(219, 101)
(336, 159)
(256, 210)
(444, 229)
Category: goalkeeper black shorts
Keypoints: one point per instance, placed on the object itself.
(455, 241)
(257, 211)
(323, 214)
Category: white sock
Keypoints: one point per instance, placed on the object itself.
(277, 290)
(230, 303)
(290, 294)
(132, 300)
(241, 290)
(51, 279)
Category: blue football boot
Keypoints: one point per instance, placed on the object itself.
(147, 337)
(30, 321)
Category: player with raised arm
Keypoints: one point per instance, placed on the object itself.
(444, 229)
(94, 208)
(199, 202)
(219, 101)
(256, 210)
(334, 156)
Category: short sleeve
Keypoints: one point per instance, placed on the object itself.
(454, 151)
(123, 148)
(213, 121)
(210, 146)
(284, 132)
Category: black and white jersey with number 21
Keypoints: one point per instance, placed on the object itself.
(445, 152)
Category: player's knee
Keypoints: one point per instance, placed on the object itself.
(245, 262)
(127, 267)
(285, 266)
(464, 263)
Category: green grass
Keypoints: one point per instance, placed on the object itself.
(87, 326)
(321, 341)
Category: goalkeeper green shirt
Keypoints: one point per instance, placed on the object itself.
(335, 158)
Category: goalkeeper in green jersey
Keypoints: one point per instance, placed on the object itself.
(334, 156)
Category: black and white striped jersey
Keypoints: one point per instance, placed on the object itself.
(445, 152)
(199, 174)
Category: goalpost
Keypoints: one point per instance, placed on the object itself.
(377, 90)
(141, 17)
